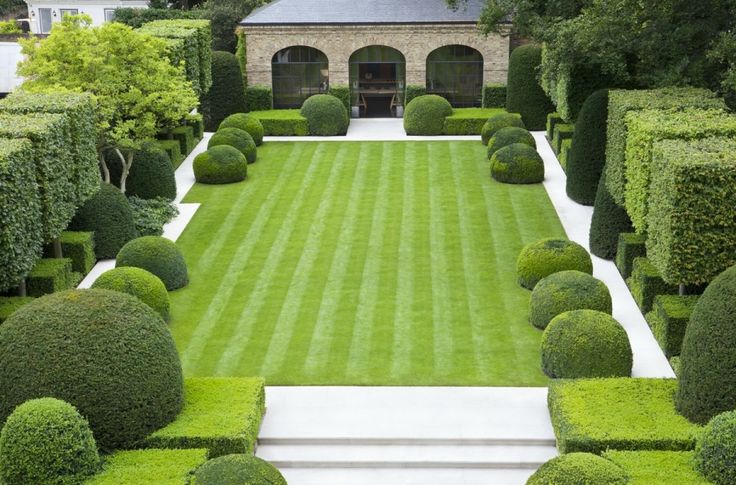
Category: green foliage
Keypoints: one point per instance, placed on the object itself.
(564, 153)
(468, 121)
(326, 115)
(236, 138)
(139, 283)
(9, 305)
(238, 469)
(80, 248)
(540, 259)
(47, 441)
(136, 17)
(225, 16)
(569, 84)
(220, 164)
(49, 276)
(594, 415)
(608, 221)
(585, 343)
(630, 246)
(517, 163)
(496, 122)
(494, 95)
(221, 414)
(561, 133)
(109, 216)
(185, 136)
(173, 151)
(414, 91)
(621, 102)
(282, 122)
(258, 98)
(425, 115)
(565, 291)
(196, 121)
(657, 467)
(9, 27)
(150, 467)
(552, 120)
(341, 92)
(150, 215)
(645, 283)
(227, 94)
(249, 124)
(241, 53)
(524, 95)
(104, 352)
(668, 320)
(509, 135)
(692, 232)
(715, 453)
(578, 469)
(21, 233)
(723, 54)
(151, 176)
(707, 381)
(157, 255)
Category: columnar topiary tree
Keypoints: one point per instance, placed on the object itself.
(608, 221)
(588, 151)
(524, 95)
(227, 94)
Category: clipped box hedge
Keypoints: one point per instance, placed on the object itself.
(657, 467)
(9, 304)
(197, 123)
(21, 236)
(553, 119)
(173, 150)
(259, 98)
(150, 467)
(630, 247)
(668, 320)
(594, 415)
(494, 95)
(621, 102)
(80, 248)
(185, 136)
(692, 230)
(221, 414)
(561, 132)
(282, 122)
(564, 154)
(646, 282)
(468, 121)
(51, 275)
(414, 91)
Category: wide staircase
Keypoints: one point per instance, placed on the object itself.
(406, 435)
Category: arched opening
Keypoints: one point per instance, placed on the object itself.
(377, 80)
(298, 72)
(455, 72)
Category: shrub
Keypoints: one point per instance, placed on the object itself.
(237, 469)
(707, 381)
(425, 115)
(10, 304)
(552, 120)
(564, 153)
(524, 95)
(108, 215)
(413, 91)
(227, 94)
(341, 92)
(588, 151)
(468, 121)
(237, 138)
(80, 248)
(47, 441)
(157, 255)
(173, 150)
(645, 283)
(160, 467)
(220, 164)
(151, 175)
(668, 320)
(578, 469)
(517, 163)
(564, 291)
(247, 123)
(139, 283)
(715, 453)
(562, 132)
(136, 17)
(282, 122)
(608, 221)
(585, 343)
(258, 98)
(496, 122)
(657, 467)
(49, 276)
(509, 136)
(151, 215)
(547, 256)
(621, 102)
(630, 246)
(185, 136)
(326, 115)
(196, 121)
(494, 95)
(104, 352)
(571, 85)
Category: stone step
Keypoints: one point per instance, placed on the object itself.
(404, 476)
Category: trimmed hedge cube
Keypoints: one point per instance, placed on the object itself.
(564, 154)
(645, 283)
(552, 120)
(49, 276)
(78, 246)
(561, 132)
(668, 320)
(173, 150)
(149, 467)
(9, 304)
(258, 98)
(185, 136)
(630, 247)
(282, 122)
(494, 95)
(196, 121)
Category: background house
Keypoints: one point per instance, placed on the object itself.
(43, 13)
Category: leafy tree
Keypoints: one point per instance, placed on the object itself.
(137, 91)
(723, 56)
(225, 16)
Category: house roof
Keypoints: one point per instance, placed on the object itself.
(357, 12)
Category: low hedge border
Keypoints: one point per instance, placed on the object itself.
(668, 320)
(51, 275)
(185, 136)
(552, 120)
(282, 122)
(79, 246)
(173, 150)
(222, 414)
(565, 153)
(594, 415)
(630, 247)
(561, 133)
(196, 121)
(657, 467)
(162, 467)
(468, 121)
(9, 304)
(645, 283)
(494, 95)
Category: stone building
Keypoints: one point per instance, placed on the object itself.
(376, 47)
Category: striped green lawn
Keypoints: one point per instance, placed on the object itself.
(362, 263)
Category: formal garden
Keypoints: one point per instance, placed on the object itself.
(329, 261)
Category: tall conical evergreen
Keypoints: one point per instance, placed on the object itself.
(588, 152)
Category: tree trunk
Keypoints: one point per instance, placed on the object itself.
(126, 164)
(57, 248)
(103, 165)
(22, 290)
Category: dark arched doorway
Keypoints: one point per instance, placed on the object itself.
(455, 72)
(297, 73)
(377, 80)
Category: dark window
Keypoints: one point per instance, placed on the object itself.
(298, 73)
(456, 73)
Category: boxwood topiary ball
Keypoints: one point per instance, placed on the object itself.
(221, 164)
(585, 343)
(579, 469)
(425, 115)
(159, 256)
(496, 122)
(517, 163)
(247, 123)
(508, 136)
(238, 470)
(102, 351)
(715, 452)
(145, 286)
(546, 256)
(564, 291)
(47, 441)
(326, 115)
(237, 138)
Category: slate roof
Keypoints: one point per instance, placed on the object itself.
(357, 12)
